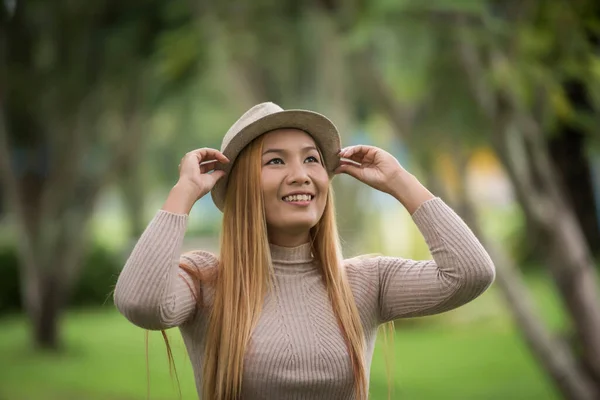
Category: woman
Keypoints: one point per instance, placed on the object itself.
(279, 314)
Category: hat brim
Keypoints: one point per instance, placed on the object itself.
(319, 127)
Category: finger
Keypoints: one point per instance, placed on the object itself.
(350, 162)
(207, 166)
(358, 158)
(216, 175)
(358, 150)
(359, 154)
(206, 154)
(208, 160)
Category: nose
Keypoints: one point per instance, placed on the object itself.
(298, 175)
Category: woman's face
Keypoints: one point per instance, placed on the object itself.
(294, 183)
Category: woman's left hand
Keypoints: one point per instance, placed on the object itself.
(376, 167)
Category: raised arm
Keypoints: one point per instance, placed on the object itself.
(152, 291)
(460, 271)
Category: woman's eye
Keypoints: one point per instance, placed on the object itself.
(275, 161)
(312, 159)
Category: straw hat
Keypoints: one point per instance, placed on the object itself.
(266, 117)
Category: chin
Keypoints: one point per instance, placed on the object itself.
(297, 225)
(301, 225)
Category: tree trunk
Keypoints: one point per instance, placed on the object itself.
(521, 146)
(43, 308)
(556, 359)
(567, 150)
(554, 356)
(48, 276)
(51, 239)
(545, 204)
(53, 159)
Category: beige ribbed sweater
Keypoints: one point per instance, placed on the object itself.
(296, 350)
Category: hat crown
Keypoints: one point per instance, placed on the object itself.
(252, 115)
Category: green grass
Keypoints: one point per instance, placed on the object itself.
(470, 353)
(461, 364)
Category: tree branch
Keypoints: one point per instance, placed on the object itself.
(473, 65)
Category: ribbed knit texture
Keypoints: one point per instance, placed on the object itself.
(296, 350)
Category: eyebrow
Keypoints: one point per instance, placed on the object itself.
(286, 151)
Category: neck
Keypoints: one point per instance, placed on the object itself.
(288, 239)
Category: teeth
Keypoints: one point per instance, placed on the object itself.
(298, 197)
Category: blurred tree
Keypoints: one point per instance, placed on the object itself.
(521, 105)
(428, 113)
(574, 105)
(568, 149)
(75, 84)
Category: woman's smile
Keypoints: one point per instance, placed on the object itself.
(299, 199)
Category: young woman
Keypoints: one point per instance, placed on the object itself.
(279, 314)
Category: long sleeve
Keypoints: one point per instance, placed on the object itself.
(152, 291)
(460, 271)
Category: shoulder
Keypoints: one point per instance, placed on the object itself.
(363, 277)
(361, 264)
(362, 269)
(202, 268)
(199, 259)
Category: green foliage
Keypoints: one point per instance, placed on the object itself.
(98, 277)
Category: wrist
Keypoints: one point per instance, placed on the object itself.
(409, 191)
(182, 198)
(188, 189)
(401, 184)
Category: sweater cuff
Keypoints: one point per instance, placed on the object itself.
(430, 214)
(168, 223)
(161, 211)
(428, 206)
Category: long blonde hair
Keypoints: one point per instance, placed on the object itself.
(244, 277)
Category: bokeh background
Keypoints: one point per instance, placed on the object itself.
(494, 105)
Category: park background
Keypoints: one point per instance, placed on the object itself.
(494, 105)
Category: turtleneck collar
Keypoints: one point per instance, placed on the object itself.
(290, 260)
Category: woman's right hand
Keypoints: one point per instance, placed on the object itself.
(195, 170)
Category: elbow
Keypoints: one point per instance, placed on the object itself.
(475, 278)
(481, 277)
(488, 272)
(140, 313)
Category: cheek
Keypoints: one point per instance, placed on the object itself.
(323, 187)
(267, 186)
(270, 187)
(322, 182)
(322, 202)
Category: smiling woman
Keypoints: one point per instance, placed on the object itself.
(279, 313)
